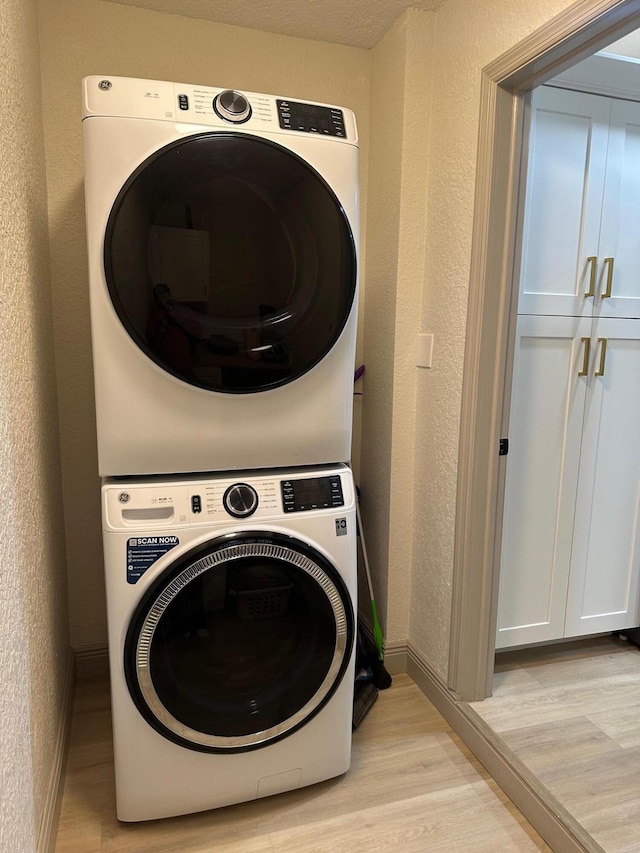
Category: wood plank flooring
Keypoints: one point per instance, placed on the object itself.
(413, 787)
(571, 714)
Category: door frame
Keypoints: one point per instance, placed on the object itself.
(571, 36)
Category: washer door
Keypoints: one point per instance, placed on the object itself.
(230, 262)
(240, 643)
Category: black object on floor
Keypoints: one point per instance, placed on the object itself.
(365, 696)
(369, 666)
(370, 654)
(632, 634)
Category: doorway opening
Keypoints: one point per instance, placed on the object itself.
(568, 39)
(564, 43)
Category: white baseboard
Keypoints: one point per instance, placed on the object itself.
(51, 811)
(551, 820)
(395, 657)
(92, 661)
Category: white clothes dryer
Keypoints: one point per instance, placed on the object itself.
(231, 635)
(222, 232)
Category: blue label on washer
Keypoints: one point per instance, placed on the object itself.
(143, 552)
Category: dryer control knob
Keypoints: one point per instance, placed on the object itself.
(232, 106)
(240, 500)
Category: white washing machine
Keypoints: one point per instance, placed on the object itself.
(231, 635)
(222, 232)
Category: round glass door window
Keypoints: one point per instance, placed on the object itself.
(240, 644)
(230, 262)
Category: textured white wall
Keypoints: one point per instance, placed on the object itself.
(385, 161)
(33, 617)
(120, 40)
(416, 168)
(468, 37)
(396, 230)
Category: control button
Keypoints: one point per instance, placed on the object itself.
(288, 496)
(232, 106)
(240, 500)
(196, 504)
(183, 102)
(337, 498)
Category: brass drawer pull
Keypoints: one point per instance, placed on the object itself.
(603, 357)
(593, 261)
(585, 357)
(609, 264)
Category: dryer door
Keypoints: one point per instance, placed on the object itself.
(230, 262)
(240, 643)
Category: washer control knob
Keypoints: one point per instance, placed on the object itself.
(232, 106)
(240, 500)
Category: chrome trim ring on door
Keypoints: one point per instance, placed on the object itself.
(157, 609)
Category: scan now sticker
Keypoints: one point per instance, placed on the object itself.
(144, 551)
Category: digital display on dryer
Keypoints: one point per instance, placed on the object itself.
(312, 493)
(311, 118)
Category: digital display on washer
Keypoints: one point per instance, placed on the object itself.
(313, 493)
(311, 118)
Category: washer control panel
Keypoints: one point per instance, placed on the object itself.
(205, 500)
(312, 493)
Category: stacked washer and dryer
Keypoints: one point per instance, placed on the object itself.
(222, 232)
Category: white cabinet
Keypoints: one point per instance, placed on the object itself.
(605, 562)
(570, 561)
(581, 255)
(620, 225)
(563, 206)
(547, 410)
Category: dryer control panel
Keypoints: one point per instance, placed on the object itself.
(311, 118)
(213, 108)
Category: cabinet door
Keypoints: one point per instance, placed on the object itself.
(565, 184)
(547, 407)
(605, 564)
(620, 231)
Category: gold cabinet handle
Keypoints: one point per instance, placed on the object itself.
(603, 356)
(585, 357)
(609, 265)
(593, 262)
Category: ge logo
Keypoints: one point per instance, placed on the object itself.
(124, 497)
(341, 526)
(105, 85)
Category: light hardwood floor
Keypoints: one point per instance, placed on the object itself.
(413, 787)
(571, 715)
